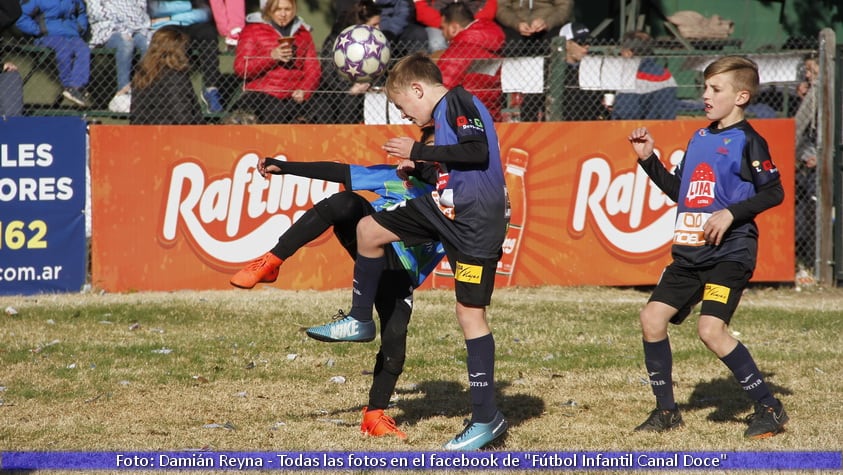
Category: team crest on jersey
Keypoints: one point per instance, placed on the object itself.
(701, 188)
(702, 132)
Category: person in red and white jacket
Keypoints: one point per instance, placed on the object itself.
(279, 63)
(472, 59)
(429, 14)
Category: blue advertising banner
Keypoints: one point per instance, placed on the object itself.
(42, 204)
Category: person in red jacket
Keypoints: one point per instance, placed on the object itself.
(278, 61)
(472, 59)
(429, 14)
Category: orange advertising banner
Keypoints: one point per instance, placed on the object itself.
(183, 207)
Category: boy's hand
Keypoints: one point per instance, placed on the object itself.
(642, 142)
(405, 169)
(399, 146)
(265, 169)
(715, 228)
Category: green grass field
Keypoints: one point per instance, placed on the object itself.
(232, 370)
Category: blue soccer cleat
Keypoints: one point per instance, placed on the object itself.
(343, 328)
(477, 435)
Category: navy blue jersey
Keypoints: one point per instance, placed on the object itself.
(722, 168)
(469, 205)
(419, 261)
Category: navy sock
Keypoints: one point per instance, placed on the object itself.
(748, 375)
(367, 274)
(659, 362)
(480, 362)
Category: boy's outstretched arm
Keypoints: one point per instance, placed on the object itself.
(328, 171)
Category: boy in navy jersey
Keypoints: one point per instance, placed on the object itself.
(407, 267)
(467, 212)
(725, 179)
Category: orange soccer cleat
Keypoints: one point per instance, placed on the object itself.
(377, 424)
(262, 269)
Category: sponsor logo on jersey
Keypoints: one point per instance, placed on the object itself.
(701, 188)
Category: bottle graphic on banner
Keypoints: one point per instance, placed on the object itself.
(442, 277)
(515, 167)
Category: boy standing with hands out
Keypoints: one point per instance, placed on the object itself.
(467, 212)
(725, 179)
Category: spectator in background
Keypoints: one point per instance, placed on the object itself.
(806, 168)
(529, 25)
(428, 14)
(574, 103)
(400, 28)
(472, 58)
(654, 97)
(230, 18)
(805, 208)
(341, 101)
(11, 91)
(278, 61)
(11, 83)
(60, 26)
(124, 26)
(195, 19)
(806, 114)
(161, 89)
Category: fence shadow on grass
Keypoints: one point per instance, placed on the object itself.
(728, 399)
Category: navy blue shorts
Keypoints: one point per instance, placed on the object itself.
(474, 277)
(719, 287)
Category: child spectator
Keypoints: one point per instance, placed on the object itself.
(194, 17)
(61, 26)
(472, 57)
(724, 181)
(124, 26)
(230, 18)
(467, 214)
(429, 15)
(277, 59)
(162, 90)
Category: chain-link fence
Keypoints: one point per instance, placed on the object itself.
(538, 81)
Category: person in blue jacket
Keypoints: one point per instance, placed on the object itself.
(61, 25)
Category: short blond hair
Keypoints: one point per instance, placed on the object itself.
(417, 67)
(744, 72)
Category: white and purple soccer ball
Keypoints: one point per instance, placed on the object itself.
(361, 53)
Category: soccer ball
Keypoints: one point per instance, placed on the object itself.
(361, 53)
